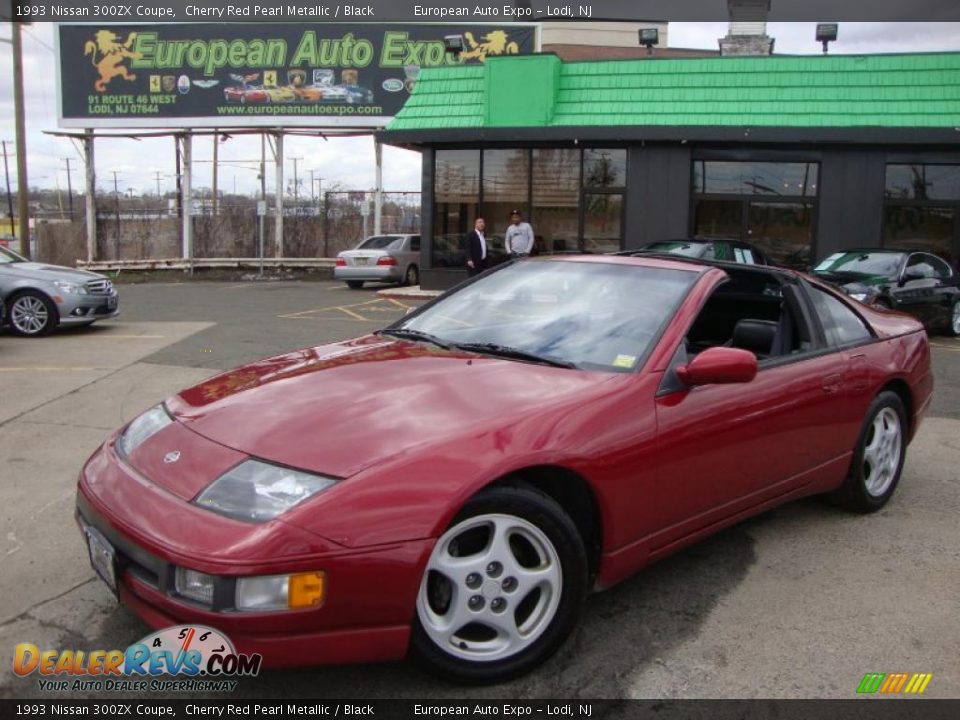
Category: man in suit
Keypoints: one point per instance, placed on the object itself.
(476, 249)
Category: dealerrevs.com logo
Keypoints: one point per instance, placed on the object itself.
(199, 658)
(894, 683)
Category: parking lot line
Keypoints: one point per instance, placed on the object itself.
(943, 346)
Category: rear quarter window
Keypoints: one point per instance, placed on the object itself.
(841, 325)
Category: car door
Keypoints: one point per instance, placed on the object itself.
(946, 291)
(726, 448)
(918, 290)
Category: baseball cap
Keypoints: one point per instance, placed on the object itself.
(516, 212)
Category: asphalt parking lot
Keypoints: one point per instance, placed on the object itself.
(799, 602)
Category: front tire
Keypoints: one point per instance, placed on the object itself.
(877, 458)
(32, 314)
(953, 329)
(502, 589)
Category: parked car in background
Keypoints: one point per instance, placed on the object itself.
(721, 249)
(40, 297)
(381, 258)
(918, 283)
(455, 485)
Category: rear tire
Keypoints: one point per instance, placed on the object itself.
(502, 589)
(412, 276)
(31, 314)
(354, 284)
(877, 458)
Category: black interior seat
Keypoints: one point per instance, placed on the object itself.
(757, 336)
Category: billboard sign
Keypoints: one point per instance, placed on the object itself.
(244, 75)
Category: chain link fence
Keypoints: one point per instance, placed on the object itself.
(135, 229)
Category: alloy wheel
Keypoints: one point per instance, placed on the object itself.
(491, 588)
(29, 315)
(881, 452)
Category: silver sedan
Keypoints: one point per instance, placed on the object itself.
(40, 297)
(381, 258)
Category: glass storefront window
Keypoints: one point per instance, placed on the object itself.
(556, 199)
(718, 219)
(755, 178)
(456, 202)
(605, 168)
(923, 182)
(602, 222)
(506, 187)
(783, 232)
(919, 227)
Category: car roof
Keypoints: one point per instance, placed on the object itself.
(670, 261)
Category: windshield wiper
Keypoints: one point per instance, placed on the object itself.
(409, 334)
(512, 352)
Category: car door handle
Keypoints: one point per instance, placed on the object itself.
(831, 383)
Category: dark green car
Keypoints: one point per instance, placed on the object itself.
(918, 283)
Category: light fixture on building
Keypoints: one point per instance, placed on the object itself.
(826, 34)
(649, 37)
(453, 44)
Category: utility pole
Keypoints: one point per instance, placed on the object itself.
(216, 145)
(6, 171)
(296, 183)
(69, 188)
(116, 200)
(23, 188)
(159, 199)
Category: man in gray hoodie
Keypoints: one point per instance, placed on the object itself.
(519, 238)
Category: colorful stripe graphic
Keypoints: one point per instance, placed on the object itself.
(893, 683)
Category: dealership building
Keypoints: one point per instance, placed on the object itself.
(801, 156)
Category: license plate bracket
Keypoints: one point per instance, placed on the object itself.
(103, 558)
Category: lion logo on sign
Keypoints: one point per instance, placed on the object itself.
(496, 42)
(112, 54)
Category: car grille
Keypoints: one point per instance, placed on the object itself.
(99, 287)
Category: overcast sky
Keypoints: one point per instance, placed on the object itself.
(348, 162)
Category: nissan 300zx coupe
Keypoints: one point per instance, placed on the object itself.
(453, 486)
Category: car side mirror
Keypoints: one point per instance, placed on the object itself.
(719, 365)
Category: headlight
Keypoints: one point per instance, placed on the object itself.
(194, 585)
(860, 297)
(280, 592)
(256, 491)
(151, 422)
(70, 288)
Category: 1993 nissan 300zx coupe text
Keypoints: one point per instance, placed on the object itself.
(454, 485)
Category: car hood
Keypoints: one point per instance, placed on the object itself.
(852, 281)
(340, 408)
(40, 271)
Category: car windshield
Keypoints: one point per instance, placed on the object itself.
(382, 242)
(677, 247)
(9, 256)
(596, 316)
(861, 264)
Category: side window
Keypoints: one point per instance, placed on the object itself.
(415, 243)
(744, 255)
(941, 270)
(841, 324)
(920, 264)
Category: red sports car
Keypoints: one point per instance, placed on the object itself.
(455, 484)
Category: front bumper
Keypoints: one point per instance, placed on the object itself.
(382, 273)
(370, 597)
(85, 309)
